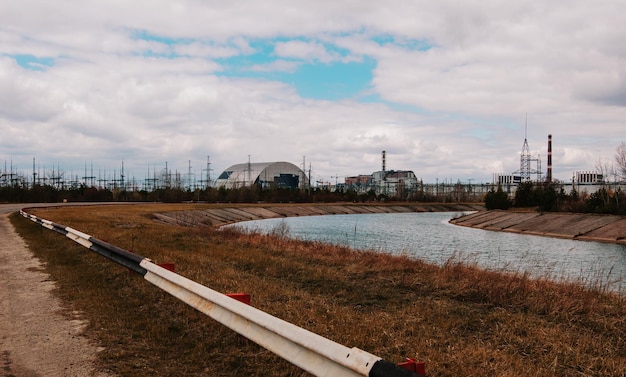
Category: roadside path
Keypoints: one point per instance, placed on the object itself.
(37, 337)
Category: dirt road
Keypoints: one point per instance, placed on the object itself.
(37, 336)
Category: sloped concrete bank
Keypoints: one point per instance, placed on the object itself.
(578, 226)
(219, 216)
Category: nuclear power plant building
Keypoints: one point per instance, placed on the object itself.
(263, 174)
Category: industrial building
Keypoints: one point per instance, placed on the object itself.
(396, 183)
(359, 183)
(588, 181)
(263, 174)
(390, 183)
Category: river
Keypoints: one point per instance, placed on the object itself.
(429, 237)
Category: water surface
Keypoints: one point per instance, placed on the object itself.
(429, 236)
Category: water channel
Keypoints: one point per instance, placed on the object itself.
(429, 237)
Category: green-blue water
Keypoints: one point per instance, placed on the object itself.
(429, 236)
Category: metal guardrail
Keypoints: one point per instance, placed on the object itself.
(305, 349)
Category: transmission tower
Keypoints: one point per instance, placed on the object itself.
(206, 182)
(526, 160)
(88, 180)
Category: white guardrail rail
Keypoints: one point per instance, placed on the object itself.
(309, 351)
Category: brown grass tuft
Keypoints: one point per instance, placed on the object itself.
(459, 319)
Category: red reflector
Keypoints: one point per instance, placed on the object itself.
(243, 297)
(414, 366)
(167, 266)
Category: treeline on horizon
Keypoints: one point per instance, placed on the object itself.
(254, 194)
(546, 197)
(551, 197)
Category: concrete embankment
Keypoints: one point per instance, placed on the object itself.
(227, 215)
(579, 226)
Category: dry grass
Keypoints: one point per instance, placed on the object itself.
(459, 319)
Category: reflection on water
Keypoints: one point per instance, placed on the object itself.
(429, 236)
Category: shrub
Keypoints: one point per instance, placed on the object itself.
(497, 199)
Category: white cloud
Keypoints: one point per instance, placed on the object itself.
(468, 73)
(206, 50)
(307, 51)
(26, 95)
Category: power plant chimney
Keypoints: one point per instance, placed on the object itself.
(549, 176)
(384, 161)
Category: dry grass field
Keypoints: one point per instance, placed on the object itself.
(458, 319)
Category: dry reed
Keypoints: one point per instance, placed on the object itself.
(459, 319)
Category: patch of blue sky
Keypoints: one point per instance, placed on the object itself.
(336, 50)
(154, 54)
(333, 80)
(33, 62)
(146, 36)
(265, 48)
(316, 80)
(383, 39)
(167, 41)
(344, 77)
(408, 43)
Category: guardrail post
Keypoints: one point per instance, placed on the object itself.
(243, 297)
(414, 366)
(168, 266)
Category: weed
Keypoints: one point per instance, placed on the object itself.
(459, 319)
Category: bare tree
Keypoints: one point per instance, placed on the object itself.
(603, 168)
(620, 159)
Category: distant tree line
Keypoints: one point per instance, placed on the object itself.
(546, 197)
(50, 194)
(550, 197)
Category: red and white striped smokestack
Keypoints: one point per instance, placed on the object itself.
(549, 176)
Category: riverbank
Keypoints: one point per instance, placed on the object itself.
(576, 226)
(216, 216)
(459, 319)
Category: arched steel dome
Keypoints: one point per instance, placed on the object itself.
(265, 174)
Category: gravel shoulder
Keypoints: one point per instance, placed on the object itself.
(38, 337)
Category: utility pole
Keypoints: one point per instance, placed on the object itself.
(88, 178)
(249, 171)
(122, 177)
(189, 176)
(304, 187)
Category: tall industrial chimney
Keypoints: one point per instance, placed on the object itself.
(549, 176)
(384, 161)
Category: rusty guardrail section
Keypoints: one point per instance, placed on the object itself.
(307, 350)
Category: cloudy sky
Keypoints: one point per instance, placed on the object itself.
(444, 87)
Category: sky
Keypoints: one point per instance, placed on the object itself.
(449, 89)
